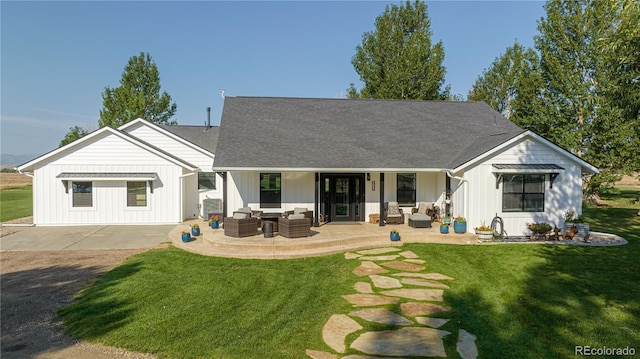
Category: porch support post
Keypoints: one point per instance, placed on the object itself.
(381, 222)
(316, 203)
(224, 194)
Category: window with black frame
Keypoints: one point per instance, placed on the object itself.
(406, 189)
(82, 194)
(137, 194)
(206, 180)
(523, 193)
(270, 190)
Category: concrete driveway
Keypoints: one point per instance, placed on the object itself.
(85, 237)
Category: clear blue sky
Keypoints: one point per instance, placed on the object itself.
(58, 57)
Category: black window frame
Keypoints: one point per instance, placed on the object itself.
(406, 193)
(529, 200)
(204, 177)
(80, 191)
(135, 199)
(270, 190)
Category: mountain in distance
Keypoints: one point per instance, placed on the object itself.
(8, 160)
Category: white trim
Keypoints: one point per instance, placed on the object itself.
(85, 177)
(586, 167)
(166, 133)
(326, 170)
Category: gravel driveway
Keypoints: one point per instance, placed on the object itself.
(34, 285)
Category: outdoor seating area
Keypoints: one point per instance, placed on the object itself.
(423, 215)
(296, 238)
(247, 222)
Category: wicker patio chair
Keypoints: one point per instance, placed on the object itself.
(300, 210)
(393, 213)
(240, 227)
(251, 213)
(294, 228)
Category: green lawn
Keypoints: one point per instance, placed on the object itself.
(16, 202)
(520, 300)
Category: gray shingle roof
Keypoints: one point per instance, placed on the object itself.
(197, 135)
(367, 134)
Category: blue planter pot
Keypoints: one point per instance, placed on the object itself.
(460, 227)
(394, 236)
(186, 237)
(444, 229)
(215, 225)
(195, 232)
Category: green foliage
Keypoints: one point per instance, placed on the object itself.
(581, 90)
(178, 304)
(138, 96)
(75, 132)
(512, 85)
(16, 202)
(397, 59)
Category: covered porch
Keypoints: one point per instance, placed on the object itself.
(325, 239)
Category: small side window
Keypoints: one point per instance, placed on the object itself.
(82, 194)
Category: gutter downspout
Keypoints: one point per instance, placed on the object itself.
(181, 193)
(466, 192)
(22, 173)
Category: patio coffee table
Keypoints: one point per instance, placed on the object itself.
(271, 217)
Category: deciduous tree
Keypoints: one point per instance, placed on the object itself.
(138, 96)
(397, 60)
(74, 133)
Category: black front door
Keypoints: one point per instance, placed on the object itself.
(343, 197)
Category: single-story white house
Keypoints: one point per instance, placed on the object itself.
(140, 173)
(345, 158)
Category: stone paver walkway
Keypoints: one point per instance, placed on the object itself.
(395, 292)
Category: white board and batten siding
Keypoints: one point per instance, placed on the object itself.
(192, 196)
(53, 204)
(297, 190)
(430, 187)
(485, 200)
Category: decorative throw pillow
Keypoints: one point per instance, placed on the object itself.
(424, 206)
(299, 210)
(240, 215)
(245, 210)
(394, 209)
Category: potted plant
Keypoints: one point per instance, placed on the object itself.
(444, 227)
(214, 221)
(195, 230)
(571, 220)
(460, 225)
(539, 227)
(394, 235)
(484, 233)
(446, 220)
(186, 236)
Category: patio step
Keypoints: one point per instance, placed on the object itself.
(324, 240)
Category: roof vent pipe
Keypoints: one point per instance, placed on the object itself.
(208, 117)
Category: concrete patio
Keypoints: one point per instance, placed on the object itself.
(327, 239)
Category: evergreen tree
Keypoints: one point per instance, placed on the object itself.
(397, 59)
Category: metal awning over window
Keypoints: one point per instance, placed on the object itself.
(551, 169)
(107, 176)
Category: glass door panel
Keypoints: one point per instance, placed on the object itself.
(342, 197)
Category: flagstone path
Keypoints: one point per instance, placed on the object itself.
(395, 292)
